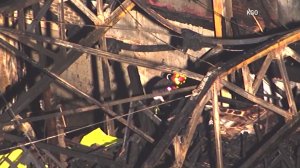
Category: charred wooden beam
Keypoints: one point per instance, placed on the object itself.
(145, 123)
(261, 73)
(79, 4)
(286, 83)
(247, 79)
(120, 45)
(117, 14)
(217, 129)
(107, 92)
(196, 41)
(189, 132)
(149, 113)
(125, 147)
(61, 25)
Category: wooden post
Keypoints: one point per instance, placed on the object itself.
(218, 13)
(247, 79)
(286, 82)
(223, 9)
(216, 119)
(61, 20)
(218, 8)
(228, 14)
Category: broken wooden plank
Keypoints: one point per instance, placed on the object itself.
(149, 113)
(110, 126)
(286, 83)
(189, 133)
(261, 73)
(85, 10)
(120, 12)
(107, 92)
(124, 150)
(61, 20)
(145, 123)
(217, 129)
(247, 79)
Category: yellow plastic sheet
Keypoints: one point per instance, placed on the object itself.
(13, 157)
(98, 137)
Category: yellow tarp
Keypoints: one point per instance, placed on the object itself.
(13, 157)
(97, 137)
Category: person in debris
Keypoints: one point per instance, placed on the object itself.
(166, 82)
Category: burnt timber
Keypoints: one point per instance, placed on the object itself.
(164, 83)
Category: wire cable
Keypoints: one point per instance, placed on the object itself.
(91, 125)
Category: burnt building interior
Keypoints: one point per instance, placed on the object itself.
(149, 83)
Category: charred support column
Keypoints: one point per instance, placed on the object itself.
(218, 8)
(218, 141)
